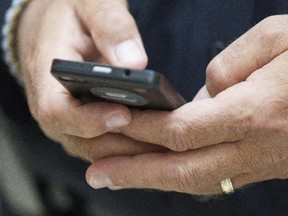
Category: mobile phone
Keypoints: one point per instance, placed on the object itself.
(91, 82)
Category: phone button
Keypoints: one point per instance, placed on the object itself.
(102, 69)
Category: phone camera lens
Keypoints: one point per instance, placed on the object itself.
(127, 72)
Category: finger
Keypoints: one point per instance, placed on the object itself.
(229, 117)
(202, 93)
(58, 112)
(250, 52)
(201, 171)
(195, 172)
(68, 115)
(114, 31)
(106, 145)
(200, 123)
(52, 106)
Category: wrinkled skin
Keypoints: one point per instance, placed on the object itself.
(76, 30)
(240, 132)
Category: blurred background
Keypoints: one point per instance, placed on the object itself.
(15, 183)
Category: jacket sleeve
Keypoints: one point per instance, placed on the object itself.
(9, 28)
(4, 5)
(11, 94)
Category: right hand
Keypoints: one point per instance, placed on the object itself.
(89, 30)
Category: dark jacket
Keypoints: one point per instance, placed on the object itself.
(180, 37)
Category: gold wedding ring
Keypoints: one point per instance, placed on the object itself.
(227, 186)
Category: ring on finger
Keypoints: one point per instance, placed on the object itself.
(227, 186)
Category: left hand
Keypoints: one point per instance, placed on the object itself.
(75, 30)
(241, 133)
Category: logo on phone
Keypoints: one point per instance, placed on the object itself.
(119, 95)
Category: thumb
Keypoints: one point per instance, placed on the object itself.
(113, 31)
(202, 93)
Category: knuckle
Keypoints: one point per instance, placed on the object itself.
(69, 148)
(86, 132)
(272, 32)
(216, 79)
(88, 128)
(271, 158)
(180, 178)
(71, 151)
(82, 150)
(45, 115)
(177, 178)
(87, 153)
(176, 136)
(113, 16)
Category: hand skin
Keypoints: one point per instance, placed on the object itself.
(76, 30)
(240, 133)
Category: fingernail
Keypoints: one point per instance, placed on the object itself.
(128, 52)
(116, 121)
(98, 182)
(115, 188)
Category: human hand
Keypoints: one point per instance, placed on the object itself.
(91, 30)
(241, 133)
